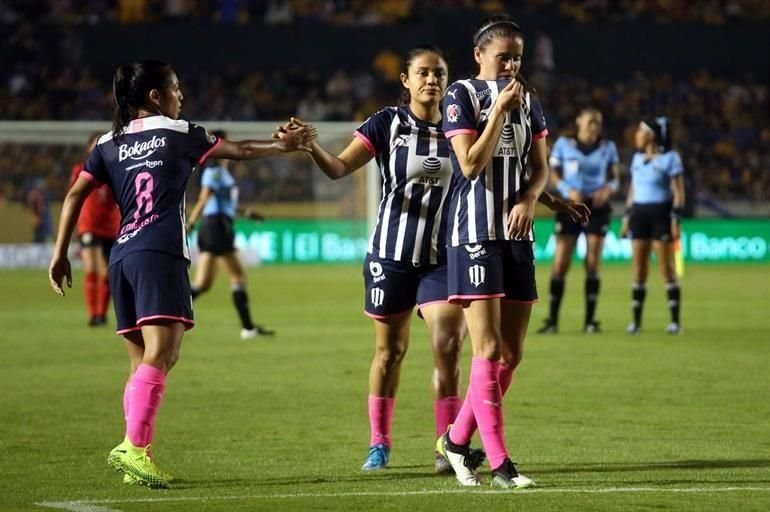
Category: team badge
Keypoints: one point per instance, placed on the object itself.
(453, 112)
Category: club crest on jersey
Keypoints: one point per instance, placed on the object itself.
(378, 297)
(140, 150)
(453, 112)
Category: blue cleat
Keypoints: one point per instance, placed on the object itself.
(378, 458)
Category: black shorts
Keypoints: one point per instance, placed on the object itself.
(598, 223)
(650, 222)
(90, 240)
(217, 235)
(148, 286)
(494, 269)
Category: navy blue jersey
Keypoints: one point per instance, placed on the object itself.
(413, 157)
(479, 208)
(651, 177)
(586, 172)
(147, 170)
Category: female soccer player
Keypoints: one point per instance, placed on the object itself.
(406, 261)
(494, 124)
(146, 160)
(218, 203)
(655, 202)
(97, 228)
(584, 168)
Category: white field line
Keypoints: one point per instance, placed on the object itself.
(95, 505)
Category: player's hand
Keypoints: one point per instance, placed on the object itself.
(189, 227)
(624, 228)
(578, 212)
(510, 97)
(251, 214)
(676, 229)
(57, 271)
(296, 136)
(520, 218)
(601, 196)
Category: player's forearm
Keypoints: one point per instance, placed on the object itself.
(195, 213)
(70, 212)
(549, 200)
(252, 149)
(481, 151)
(678, 193)
(332, 166)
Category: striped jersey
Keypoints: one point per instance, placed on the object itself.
(224, 191)
(651, 177)
(478, 209)
(147, 169)
(413, 157)
(584, 169)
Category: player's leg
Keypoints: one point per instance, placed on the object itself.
(103, 287)
(205, 273)
(594, 248)
(567, 232)
(640, 259)
(88, 254)
(664, 250)
(232, 264)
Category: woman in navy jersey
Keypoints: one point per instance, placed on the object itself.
(495, 125)
(655, 203)
(583, 168)
(218, 205)
(147, 160)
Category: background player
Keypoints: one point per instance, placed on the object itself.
(147, 160)
(218, 204)
(584, 168)
(655, 202)
(494, 124)
(97, 228)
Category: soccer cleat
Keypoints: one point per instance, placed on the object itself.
(136, 462)
(130, 480)
(97, 320)
(476, 457)
(258, 330)
(459, 458)
(673, 328)
(443, 467)
(592, 327)
(508, 477)
(549, 327)
(378, 458)
(633, 328)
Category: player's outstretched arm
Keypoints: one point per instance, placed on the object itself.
(353, 157)
(578, 212)
(70, 211)
(298, 139)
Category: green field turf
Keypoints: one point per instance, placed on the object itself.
(605, 422)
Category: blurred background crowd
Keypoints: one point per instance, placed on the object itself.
(720, 119)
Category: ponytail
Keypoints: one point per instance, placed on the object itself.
(131, 87)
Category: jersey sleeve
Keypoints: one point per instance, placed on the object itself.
(210, 178)
(557, 153)
(537, 119)
(95, 168)
(675, 167)
(375, 131)
(200, 143)
(459, 116)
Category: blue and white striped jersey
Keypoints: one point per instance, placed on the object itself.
(224, 197)
(413, 157)
(147, 169)
(651, 177)
(478, 208)
(586, 172)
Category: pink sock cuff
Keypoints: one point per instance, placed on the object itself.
(485, 365)
(150, 374)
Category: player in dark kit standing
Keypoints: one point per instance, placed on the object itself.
(584, 168)
(655, 202)
(147, 160)
(494, 125)
(97, 228)
(218, 204)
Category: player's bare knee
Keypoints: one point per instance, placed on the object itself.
(391, 355)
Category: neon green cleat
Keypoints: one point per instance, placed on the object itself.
(136, 463)
(130, 480)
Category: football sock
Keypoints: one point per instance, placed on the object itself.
(446, 410)
(104, 296)
(380, 416)
(674, 293)
(90, 290)
(241, 301)
(638, 294)
(557, 292)
(592, 295)
(145, 390)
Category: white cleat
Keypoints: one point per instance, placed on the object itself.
(633, 328)
(459, 462)
(673, 328)
(508, 477)
(256, 332)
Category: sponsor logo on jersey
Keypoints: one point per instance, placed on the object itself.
(140, 150)
(453, 112)
(431, 165)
